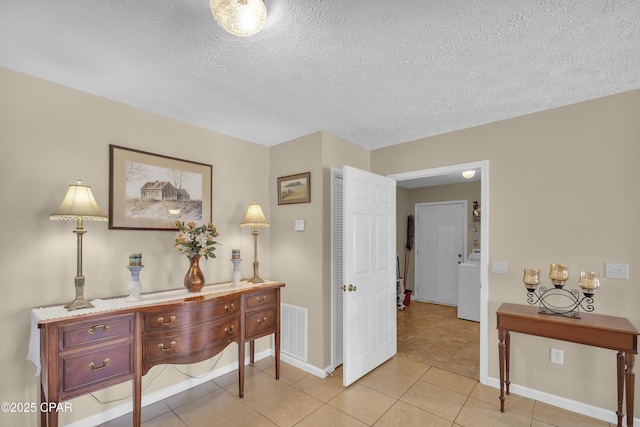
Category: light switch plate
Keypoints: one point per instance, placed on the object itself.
(616, 271)
(499, 267)
(298, 225)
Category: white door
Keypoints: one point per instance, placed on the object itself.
(439, 243)
(369, 272)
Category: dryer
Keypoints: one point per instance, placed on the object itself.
(469, 287)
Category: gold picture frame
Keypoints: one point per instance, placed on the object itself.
(150, 191)
(294, 189)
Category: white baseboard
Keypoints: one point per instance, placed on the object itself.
(561, 402)
(156, 396)
(303, 365)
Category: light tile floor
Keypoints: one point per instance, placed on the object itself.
(432, 381)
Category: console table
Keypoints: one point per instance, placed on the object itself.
(81, 353)
(615, 333)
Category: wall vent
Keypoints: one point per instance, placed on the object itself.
(293, 341)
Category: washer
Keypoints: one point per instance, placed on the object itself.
(469, 288)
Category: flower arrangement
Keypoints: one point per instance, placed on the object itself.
(196, 241)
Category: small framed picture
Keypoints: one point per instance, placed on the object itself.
(151, 192)
(294, 188)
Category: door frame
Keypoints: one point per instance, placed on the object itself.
(483, 165)
(464, 232)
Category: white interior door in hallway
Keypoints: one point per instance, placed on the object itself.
(369, 272)
(440, 243)
(364, 285)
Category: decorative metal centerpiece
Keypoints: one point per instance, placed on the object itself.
(557, 300)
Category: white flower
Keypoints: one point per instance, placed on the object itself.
(195, 241)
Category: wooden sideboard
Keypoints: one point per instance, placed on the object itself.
(83, 353)
(597, 330)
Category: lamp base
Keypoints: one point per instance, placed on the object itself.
(256, 265)
(78, 303)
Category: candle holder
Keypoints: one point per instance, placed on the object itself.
(559, 274)
(557, 300)
(235, 277)
(589, 282)
(134, 284)
(531, 279)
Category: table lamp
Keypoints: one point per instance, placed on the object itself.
(80, 205)
(255, 218)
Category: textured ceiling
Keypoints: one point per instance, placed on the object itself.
(374, 72)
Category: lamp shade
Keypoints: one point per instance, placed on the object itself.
(242, 18)
(79, 203)
(469, 174)
(254, 217)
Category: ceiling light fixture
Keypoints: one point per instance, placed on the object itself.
(469, 174)
(242, 18)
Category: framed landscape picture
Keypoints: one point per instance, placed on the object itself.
(294, 189)
(150, 191)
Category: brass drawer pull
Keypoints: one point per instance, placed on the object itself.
(94, 327)
(230, 330)
(261, 321)
(163, 348)
(93, 366)
(162, 322)
(230, 307)
(261, 298)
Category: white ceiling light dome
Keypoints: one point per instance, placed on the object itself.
(242, 18)
(469, 174)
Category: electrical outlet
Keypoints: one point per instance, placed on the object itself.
(557, 356)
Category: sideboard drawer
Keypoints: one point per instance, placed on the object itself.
(260, 299)
(170, 344)
(100, 330)
(259, 323)
(190, 316)
(88, 369)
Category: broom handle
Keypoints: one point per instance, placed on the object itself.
(407, 255)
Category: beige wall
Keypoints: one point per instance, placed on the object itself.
(562, 188)
(297, 256)
(405, 206)
(51, 136)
